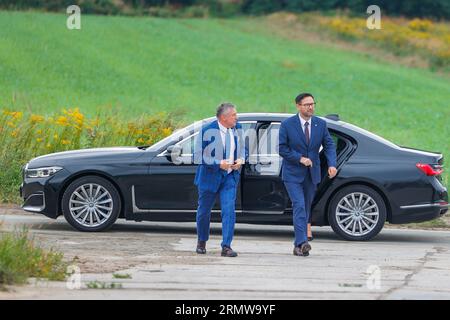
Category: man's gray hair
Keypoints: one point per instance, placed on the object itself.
(224, 108)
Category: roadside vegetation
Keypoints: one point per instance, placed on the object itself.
(403, 37)
(24, 136)
(22, 258)
(122, 276)
(103, 285)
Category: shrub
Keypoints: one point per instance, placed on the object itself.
(21, 258)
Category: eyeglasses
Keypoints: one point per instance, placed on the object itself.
(309, 105)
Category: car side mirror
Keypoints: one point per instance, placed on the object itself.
(174, 151)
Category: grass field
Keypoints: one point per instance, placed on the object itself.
(146, 65)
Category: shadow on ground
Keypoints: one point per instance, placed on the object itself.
(281, 232)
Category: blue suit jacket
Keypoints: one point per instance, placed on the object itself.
(292, 146)
(208, 153)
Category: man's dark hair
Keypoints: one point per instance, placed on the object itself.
(302, 96)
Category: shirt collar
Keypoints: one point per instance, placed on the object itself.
(303, 121)
(222, 128)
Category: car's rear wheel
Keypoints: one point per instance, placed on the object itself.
(91, 203)
(357, 212)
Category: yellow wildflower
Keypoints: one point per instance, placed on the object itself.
(36, 118)
(16, 114)
(62, 121)
(166, 131)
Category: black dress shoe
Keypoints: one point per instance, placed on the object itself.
(228, 252)
(305, 248)
(297, 251)
(201, 247)
(302, 250)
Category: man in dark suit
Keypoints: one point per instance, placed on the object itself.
(299, 142)
(220, 155)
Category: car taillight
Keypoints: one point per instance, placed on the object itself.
(430, 170)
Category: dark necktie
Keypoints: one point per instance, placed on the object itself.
(307, 132)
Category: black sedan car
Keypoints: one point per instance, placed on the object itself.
(377, 181)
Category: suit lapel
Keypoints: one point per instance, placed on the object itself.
(313, 130)
(215, 124)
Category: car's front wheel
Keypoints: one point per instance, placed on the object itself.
(91, 203)
(357, 212)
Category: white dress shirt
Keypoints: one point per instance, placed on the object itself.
(223, 132)
(303, 121)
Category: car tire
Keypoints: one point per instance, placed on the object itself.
(91, 204)
(357, 213)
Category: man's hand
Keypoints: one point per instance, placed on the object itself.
(225, 165)
(332, 172)
(306, 162)
(237, 164)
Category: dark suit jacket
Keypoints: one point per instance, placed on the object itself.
(292, 146)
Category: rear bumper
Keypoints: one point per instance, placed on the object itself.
(428, 201)
(420, 212)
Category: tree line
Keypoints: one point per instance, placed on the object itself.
(435, 9)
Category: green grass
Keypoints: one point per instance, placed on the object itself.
(103, 285)
(21, 258)
(122, 276)
(144, 65)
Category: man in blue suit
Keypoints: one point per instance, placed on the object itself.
(299, 142)
(220, 155)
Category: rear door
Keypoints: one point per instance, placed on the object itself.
(263, 190)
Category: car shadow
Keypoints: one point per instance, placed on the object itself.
(245, 230)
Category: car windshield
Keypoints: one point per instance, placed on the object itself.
(173, 137)
(178, 135)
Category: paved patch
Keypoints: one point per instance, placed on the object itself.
(159, 257)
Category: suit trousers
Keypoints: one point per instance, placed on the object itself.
(301, 195)
(206, 200)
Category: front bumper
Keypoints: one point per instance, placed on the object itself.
(35, 202)
(41, 195)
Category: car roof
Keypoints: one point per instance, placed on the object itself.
(348, 129)
(279, 117)
(332, 123)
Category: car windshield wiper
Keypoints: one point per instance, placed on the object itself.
(143, 147)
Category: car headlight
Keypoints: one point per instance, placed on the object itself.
(41, 172)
